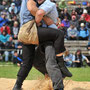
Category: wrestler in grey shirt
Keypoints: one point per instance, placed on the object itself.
(51, 11)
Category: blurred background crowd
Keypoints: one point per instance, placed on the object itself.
(75, 24)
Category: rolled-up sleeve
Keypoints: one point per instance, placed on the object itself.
(47, 6)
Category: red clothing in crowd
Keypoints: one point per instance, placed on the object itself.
(86, 16)
(7, 29)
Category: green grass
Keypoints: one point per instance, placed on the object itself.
(80, 74)
(10, 71)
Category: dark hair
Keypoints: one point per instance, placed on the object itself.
(79, 56)
(15, 51)
(5, 32)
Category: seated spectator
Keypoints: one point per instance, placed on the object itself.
(1, 58)
(88, 8)
(4, 37)
(11, 14)
(61, 27)
(13, 7)
(83, 32)
(72, 32)
(64, 13)
(88, 46)
(3, 5)
(5, 28)
(62, 5)
(86, 15)
(3, 19)
(79, 10)
(18, 46)
(74, 13)
(66, 22)
(88, 27)
(82, 20)
(9, 45)
(79, 58)
(58, 22)
(0, 1)
(68, 58)
(13, 20)
(17, 60)
(18, 4)
(74, 21)
(15, 30)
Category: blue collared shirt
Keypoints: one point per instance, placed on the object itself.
(25, 14)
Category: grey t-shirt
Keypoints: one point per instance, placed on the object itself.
(51, 11)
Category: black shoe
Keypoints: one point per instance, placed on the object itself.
(17, 87)
(18, 84)
(59, 89)
(63, 68)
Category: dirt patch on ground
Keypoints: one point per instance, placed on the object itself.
(7, 84)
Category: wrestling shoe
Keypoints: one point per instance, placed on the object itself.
(17, 87)
(18, 84)
(62, 66)
(59, 89)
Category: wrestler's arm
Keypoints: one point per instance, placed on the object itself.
(31, 5)
(39, 15)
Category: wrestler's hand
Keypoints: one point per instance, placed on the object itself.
(39, 24)
(47, 20)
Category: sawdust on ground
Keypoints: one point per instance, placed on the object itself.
(7, 84)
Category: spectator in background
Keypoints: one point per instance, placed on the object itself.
(64, 13)
(81, 20)
(62, 5)
(1, 57)
(79, 10)
(61, 27)
(88, 8)
(5, 28)
(13, 7)
(15, 30)
(74, 13)
(16, 59)
(83, 32)
(79, 58)
(1, 1)
(18, 4)
(86, 15)
(88, 46)
(18, 46)
(4, 37)
(15, 18)
(3, 5)
(72, 32)
(74, 21)
(3, 19)
(9, 45)
(88, 27)
(68, 58)
(66, 22)
(11, 15)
